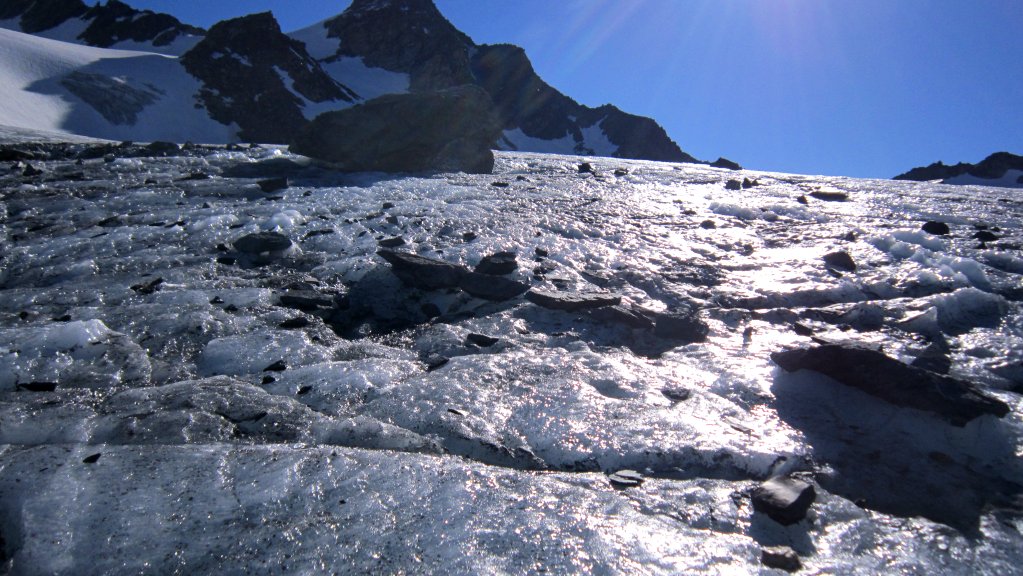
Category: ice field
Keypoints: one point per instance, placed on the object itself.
(173, 403)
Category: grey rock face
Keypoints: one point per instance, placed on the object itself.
(450, 130)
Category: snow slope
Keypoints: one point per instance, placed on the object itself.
(198, 422)
(34, 92)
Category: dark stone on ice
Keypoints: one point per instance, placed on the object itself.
(481, 340)
(621, 172)
(391, 242)
(802, 329)
(586, 168)
(148, 287)
(31, 170)
(305, 390)
(541, 253)
(747, 183)
(306, 300)
(498, 264)
(781, 557)
(682, 326)
(273, 184)
(425, 273)
(436, 361)
(195, 176)
(802, 200)
(621, 315)
(38, 386)
(571, 301)
(446, 130)
(226, 260)
(784, 499)
(160, 148)
(625, 479)
(92, 458)
(733, 185)
(708, 225)
(725, 163)
(387, 206)
(677, 394)
(500, 184)
(469, 236)
(268, 380)
(294, 323)
(985, 236)
(494, 288)
(278, 366)
(936, 228)
(871, 371)
(829, 196)
(261, 242)
(840, 261)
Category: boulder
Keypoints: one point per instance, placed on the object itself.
(498, 264)
(493, 288)
(829, 195)
(262, 242)
(936, 228)
(733, 185)
(424, 273)
(784, 499)
(840, 261)
(873, 372)
(782, 557)
(450, 130)
(684, 326)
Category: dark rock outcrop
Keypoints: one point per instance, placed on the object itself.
(424, 273)
(498, 264)
(784, 499)
(993, 167)
(871, 371)
(244, 65)
(685, 326)
(490, 287)
(726, 163)
(448, 130)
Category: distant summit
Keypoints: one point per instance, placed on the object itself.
(114, 24)
(999, 169)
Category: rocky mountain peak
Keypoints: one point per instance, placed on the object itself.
(409, 36)
(255, 75)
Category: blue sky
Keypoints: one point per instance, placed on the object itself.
(865, 88)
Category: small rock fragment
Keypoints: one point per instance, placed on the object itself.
(733, 185)
(481, 340)
(781, 557)
(278, 366)
(625, 479)
(936, 228)
(784, 499)
(586, 168)
(272, 184)
(840, 260)
(92, 458)
(296, 322)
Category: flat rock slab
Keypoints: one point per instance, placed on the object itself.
(493, 288)
(785, 500)
(871, 371)
(425, 273)
(306, 300)
(571, 301)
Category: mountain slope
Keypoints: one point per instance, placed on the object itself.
(116, 94)
(255, 76)
(111, 25)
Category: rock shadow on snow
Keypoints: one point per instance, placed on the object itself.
(898, 460)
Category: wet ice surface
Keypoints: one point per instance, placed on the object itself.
(130, 329)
